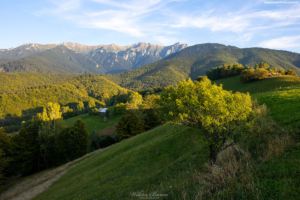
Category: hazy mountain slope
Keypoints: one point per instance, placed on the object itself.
(113, 58)
(57, 60)
(25, 50)
(5, 60)
(169, 72)
(197, 50)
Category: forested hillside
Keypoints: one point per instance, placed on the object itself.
(169, 72)
(57, 60)
(30, 92)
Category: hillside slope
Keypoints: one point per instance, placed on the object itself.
(169, 72)
(260, 86)
(17, 105)
(157, 160)
(57, 60)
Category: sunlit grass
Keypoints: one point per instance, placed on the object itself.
(258, 86)
(94, 121)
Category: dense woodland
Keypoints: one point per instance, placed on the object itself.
(28, 95)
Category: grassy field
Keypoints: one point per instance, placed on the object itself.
(259, 86)
(283, 105)
(280, 94)
(162, 160)
(94, 121)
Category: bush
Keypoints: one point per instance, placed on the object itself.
(291, 72)
(105, 141)
(151, 118)
(248, 75)
(129, 125)
(199, 78)
(120, 108)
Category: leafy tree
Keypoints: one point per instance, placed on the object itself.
(94, 140)
(135, 99)
(120, 108)
(79, 139)
(199, 78)
(4, 163)
(263, 65)
(152, 118)
(129, 125)
(25, 151)
(4, 150)
(291, 72)
(91, 104)
(281, 71)
(214, 111)
(80, 107)
(51, 123)
(256, 66)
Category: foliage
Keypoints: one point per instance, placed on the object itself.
(199, 78)
(129, 125)
(281, 71)
(264, 65)
(94, 140)
(4, 163)
(248, 75)
(80, 107)
(91, 104)
(120, 108)
(79, 137)
(224, 71)
(216, 112)
(152, 118)
(25, 151)
(135, 99)
(105, 141)
(291, 72)
(21, 105)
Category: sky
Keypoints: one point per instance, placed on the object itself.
(249, 23)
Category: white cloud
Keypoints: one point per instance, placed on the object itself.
(137, 17)
(282, 43)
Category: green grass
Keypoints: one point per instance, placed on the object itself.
(279, 178)
(259, 86)
(162, 159)
(283, 105)
(94, 121)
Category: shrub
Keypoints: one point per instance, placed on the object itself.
(199, 78)
(120, 108)
(291, 72)
(129, 125)
(105, 141)
(248, 75)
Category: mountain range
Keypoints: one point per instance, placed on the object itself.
(96, 59)
(197, 60)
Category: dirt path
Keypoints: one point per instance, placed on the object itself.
(35, 185)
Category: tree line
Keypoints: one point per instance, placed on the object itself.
(247, 73)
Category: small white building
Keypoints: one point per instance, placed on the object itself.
(102, 110)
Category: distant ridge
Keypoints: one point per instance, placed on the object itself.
(112, 58)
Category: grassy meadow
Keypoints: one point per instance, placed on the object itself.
(94, 121)
(162, 160)
(235, 85)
